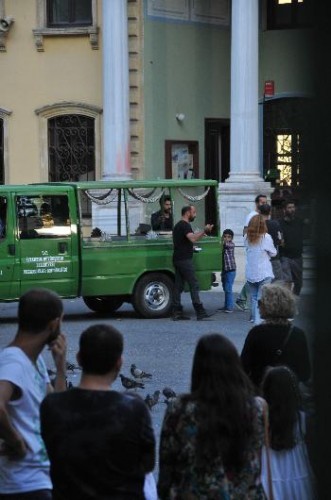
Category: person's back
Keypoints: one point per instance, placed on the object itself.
(276, 340)
(100, 442)
(211, 439)
(213, 477)
(291, 472)
(95, 442)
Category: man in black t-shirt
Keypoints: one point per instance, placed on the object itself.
(100, 442)
(291, 251)
(183, 240)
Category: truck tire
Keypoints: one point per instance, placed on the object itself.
(153, 294)
(103, 304)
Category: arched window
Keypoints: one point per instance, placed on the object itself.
(71, 141)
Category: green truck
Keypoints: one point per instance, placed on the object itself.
(94, 240)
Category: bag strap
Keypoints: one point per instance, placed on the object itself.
(267, 449)
(280, 350)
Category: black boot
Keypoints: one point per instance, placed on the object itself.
(178, 315)
(201, 312)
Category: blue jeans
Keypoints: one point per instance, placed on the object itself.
(244, 296)
(256, 291)
(227, 278)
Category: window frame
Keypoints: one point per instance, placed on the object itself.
(43, 30)
(67, 108)
(71, 23)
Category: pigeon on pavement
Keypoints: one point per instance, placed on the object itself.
(129, 383)
(152, 400)
(169, 393)
(137, 373)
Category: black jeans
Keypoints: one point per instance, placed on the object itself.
(184, 272)
(292, 272)
(29, 495)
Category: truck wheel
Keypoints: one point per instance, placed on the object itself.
(152, 297)
(103, 304)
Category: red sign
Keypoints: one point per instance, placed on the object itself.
(269, 88)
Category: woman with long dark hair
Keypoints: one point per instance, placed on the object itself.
(259, 250)
(291, 473)
(211, 438)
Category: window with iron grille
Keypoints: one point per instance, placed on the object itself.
(289, 14)
(287, 139)
(2, 176)
(71, 146)
(63, 13)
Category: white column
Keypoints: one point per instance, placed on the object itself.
(238, 192)
(244, 145)
(116, 136)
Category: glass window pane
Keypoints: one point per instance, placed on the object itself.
(59, 12)
(83, 12)
(43, 216)
(69, 12)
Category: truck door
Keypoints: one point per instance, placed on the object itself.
(9, 282)
(47, 243)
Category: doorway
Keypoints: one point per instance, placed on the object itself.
(217, 155)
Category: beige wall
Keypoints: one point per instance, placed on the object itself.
(68, 70)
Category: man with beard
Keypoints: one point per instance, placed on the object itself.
(291, 250)
(183, 240)
(24, 382)
(162, 219)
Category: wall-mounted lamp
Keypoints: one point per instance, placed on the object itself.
(180, 117)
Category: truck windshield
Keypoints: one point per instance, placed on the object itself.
(42, 216)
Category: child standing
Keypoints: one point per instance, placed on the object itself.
(291, 473)
(228, 270)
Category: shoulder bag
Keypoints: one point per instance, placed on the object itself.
(279, 352)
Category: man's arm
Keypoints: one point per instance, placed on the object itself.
(194, 237)
(59, 350)
(13, 444)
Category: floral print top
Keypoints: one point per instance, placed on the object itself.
(180, 477)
